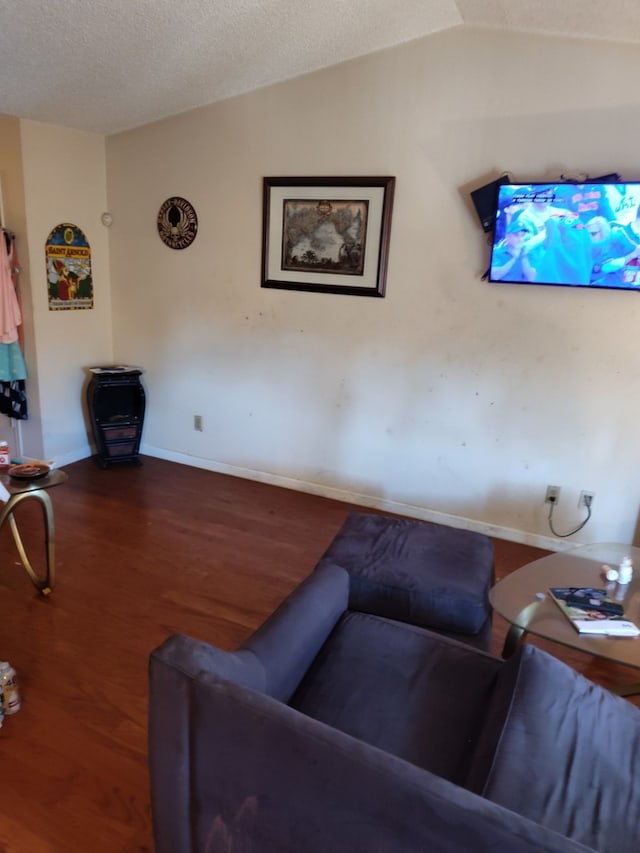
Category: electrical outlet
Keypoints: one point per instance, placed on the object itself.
(197, 423)
(553, 495)
(585, 499)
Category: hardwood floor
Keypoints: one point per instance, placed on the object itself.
(142, 552)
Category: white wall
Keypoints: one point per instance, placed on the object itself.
(64, 181)
(450, 395)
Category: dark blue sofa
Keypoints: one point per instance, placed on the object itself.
(334, 730)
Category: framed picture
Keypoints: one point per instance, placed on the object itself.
(328, 235)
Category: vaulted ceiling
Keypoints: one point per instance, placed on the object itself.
(110, 65)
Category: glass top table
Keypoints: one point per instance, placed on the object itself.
(33, 490)
(515, 598)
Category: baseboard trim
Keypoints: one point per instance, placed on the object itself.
(62, 458)
(522, 537)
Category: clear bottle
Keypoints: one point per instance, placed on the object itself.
(625, 571)
(9, 684)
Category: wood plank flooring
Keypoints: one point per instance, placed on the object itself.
(142, 552)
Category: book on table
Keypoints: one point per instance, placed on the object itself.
(592, 611)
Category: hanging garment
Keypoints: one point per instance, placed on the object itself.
(13, 400)
(13, 371)
(12, 364)
(10, 314)
(14, 263)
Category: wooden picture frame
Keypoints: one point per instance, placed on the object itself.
(327, 234)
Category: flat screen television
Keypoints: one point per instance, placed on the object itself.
(568, 234)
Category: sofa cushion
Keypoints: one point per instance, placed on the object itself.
(415, 571)
(401, 688)
(562, 751)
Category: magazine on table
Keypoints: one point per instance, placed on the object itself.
(592, 611)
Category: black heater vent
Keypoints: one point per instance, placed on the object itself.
(116, 402)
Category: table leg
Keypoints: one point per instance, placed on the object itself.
(43, 585)
(514, 637)
(516, 633)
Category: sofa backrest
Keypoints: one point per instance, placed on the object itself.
(562, 751)
(289, 640)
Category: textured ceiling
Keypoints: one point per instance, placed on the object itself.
(110, 65)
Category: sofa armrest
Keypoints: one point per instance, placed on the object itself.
(232, 768)
(174, 667)
(289, 640)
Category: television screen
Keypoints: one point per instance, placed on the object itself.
(580, 235)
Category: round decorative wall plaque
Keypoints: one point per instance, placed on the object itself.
(177, 223)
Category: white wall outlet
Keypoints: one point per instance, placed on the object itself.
(553, 495)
